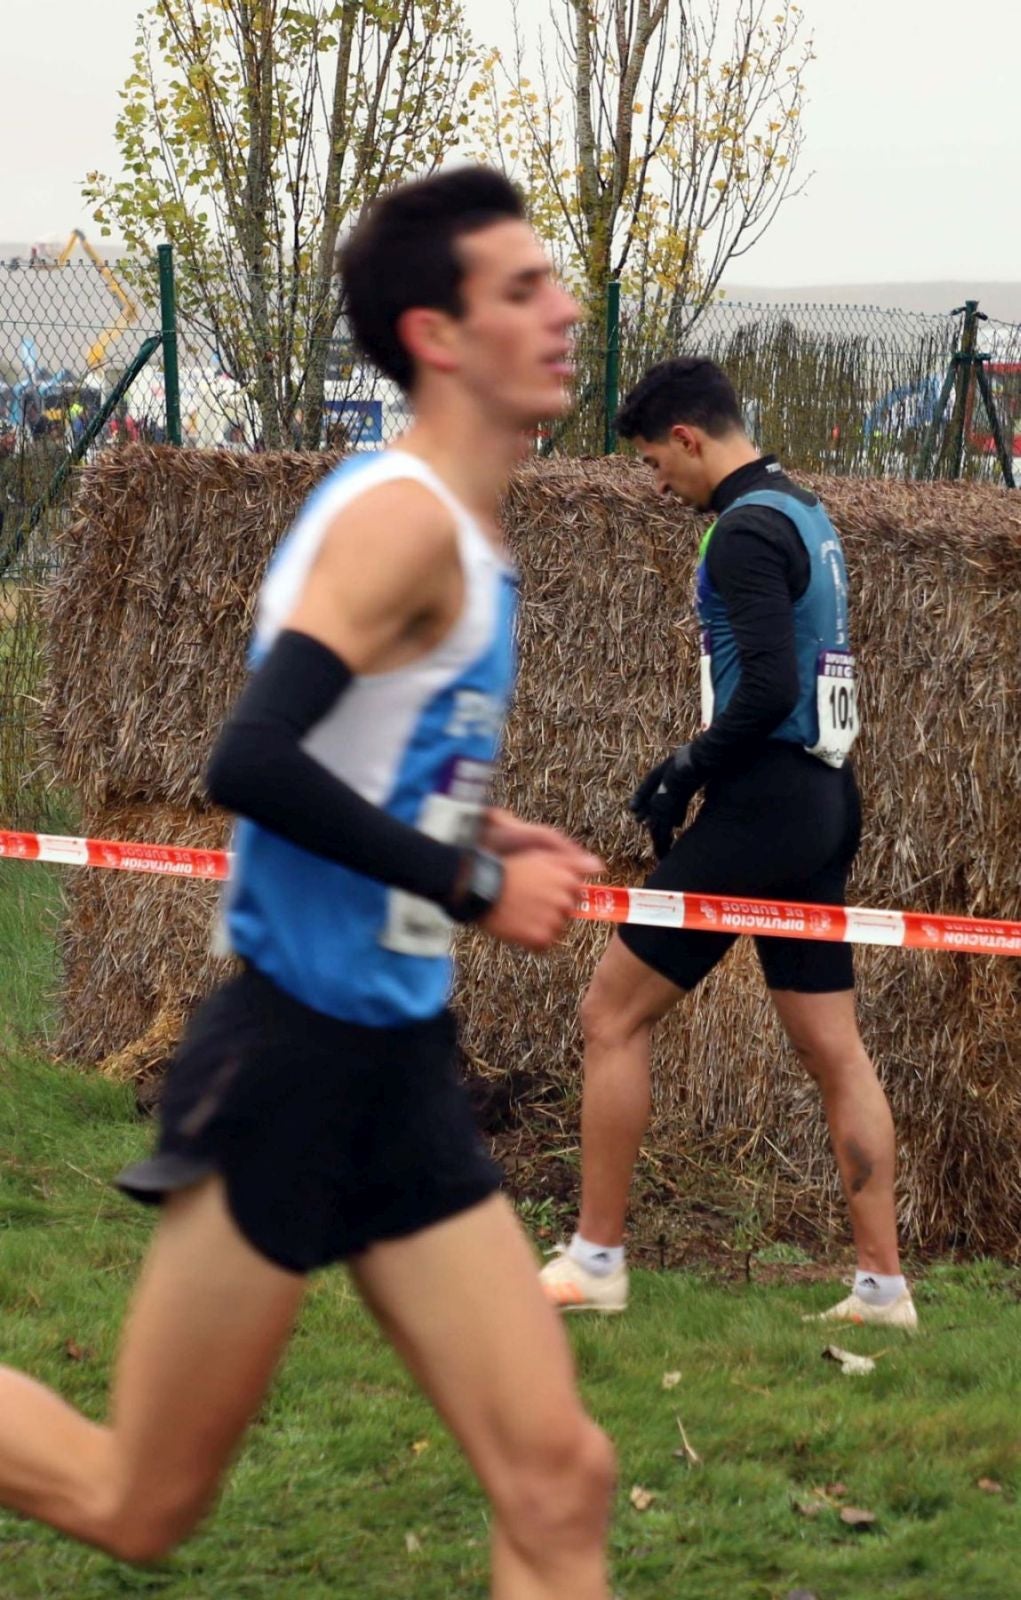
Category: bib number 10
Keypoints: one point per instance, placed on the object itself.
(837, 703)
(842, 707)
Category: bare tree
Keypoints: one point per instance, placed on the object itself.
(658, 141)
(251, 132)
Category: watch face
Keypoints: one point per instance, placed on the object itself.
(487, 879)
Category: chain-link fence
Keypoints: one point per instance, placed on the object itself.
(847, 389)
(69, 329)
(71, 336)
(305, 393)
(837, 388)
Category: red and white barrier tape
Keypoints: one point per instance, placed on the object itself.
(173, 861)
(782, 919)
(788, 919)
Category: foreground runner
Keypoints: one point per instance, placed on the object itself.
(313, 1113)
(781, 818)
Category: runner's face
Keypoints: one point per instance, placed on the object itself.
(677, 463)
(513, 340)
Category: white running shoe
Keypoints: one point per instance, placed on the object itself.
(899, 1313)
(571, 1287)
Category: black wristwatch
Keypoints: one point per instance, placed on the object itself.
(479, 886)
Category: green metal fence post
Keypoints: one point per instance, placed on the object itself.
(612, 383)
(168, 322)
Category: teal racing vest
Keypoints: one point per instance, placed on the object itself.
(825, 719)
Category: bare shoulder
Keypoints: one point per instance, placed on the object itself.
(397, 527)
(387, 576)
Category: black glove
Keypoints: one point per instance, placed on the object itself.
(662, 798)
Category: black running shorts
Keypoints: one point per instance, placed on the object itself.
(329, 1136)
(787, 829)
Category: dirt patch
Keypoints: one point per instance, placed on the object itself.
(687, 1211)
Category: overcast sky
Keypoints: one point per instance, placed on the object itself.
(911, 179)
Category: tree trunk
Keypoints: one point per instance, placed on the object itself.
(253, 227)
(327, 305)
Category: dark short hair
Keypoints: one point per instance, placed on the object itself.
(403, 253)
(687, 389)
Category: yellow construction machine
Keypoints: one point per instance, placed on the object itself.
(96, 354)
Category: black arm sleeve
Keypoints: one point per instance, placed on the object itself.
(259, 770)
(758, 566)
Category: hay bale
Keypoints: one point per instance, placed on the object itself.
(150, 610)
(609, 681)
(133, 946)
(149, 1056)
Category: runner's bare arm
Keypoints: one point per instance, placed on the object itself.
(387, 582)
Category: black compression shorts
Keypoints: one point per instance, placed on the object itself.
(329, 1136)
(787, 829)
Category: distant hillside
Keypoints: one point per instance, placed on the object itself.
(999, 300)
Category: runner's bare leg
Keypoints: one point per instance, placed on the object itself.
(624, 1002)
(207, 1328)
(462, 1304)
(823, 1030)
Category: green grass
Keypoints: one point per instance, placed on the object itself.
(29, 908)
(329, 1485)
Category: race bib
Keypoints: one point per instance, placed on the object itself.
(837, 703)
(705, 667)
(416, 927)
